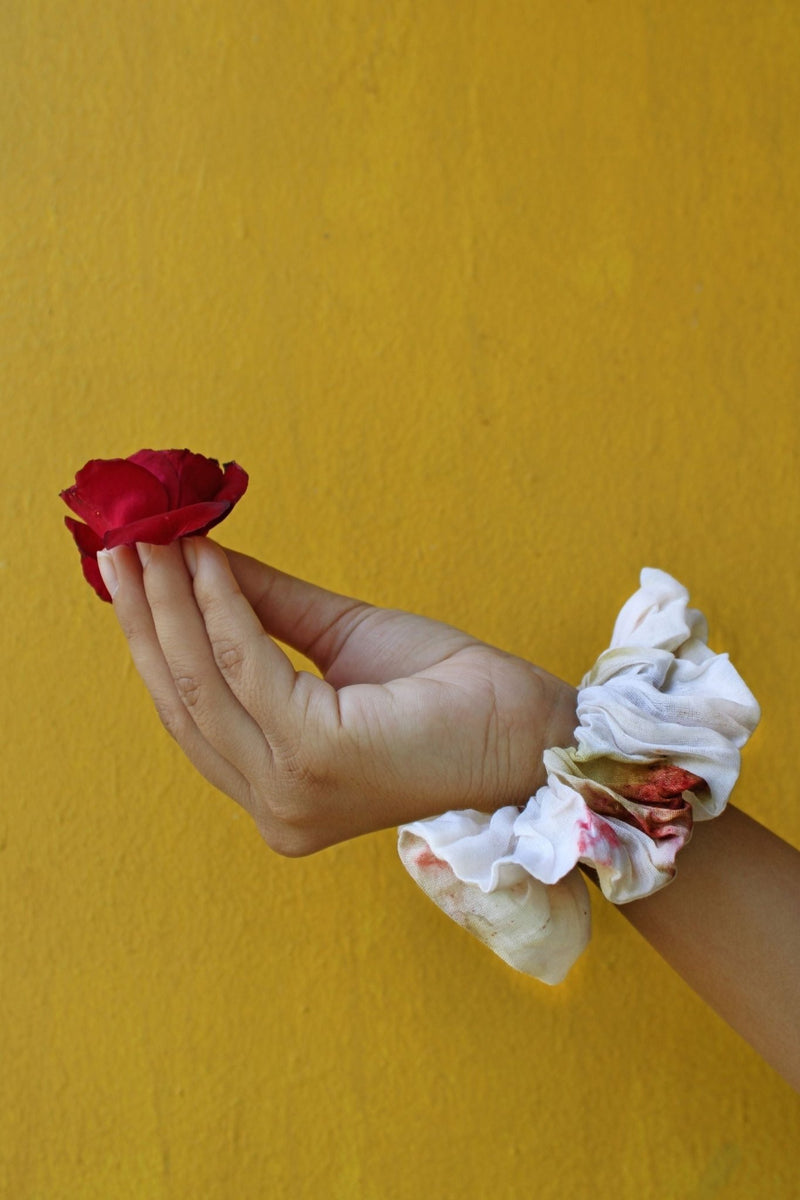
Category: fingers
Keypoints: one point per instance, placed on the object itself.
(195, 639)
(123, 575)
(191, 657)
(223, 688)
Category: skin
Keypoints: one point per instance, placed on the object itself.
(730, 926)
(412, 718)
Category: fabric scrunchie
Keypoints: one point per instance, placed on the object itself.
(661, 721)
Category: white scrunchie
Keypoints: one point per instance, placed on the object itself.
(661, 720)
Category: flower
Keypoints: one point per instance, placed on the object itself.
(154, 496)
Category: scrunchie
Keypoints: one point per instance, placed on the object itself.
(661, 720)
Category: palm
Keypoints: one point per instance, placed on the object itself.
(446, 710)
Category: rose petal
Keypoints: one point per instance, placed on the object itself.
(91, 573)
(164, 466)
(188, 477)
(88, 543)
(201, 479)
(234, 484)
(165, 527)
(86, 539)
(110, 493)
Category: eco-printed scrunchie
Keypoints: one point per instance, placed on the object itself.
(661, 721)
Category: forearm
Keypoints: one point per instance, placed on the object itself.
(730, 926)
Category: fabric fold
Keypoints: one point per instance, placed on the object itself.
(661, 722)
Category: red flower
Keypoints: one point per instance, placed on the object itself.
(154, 496)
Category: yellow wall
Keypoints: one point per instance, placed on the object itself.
(497, 302)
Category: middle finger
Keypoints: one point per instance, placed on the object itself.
(223, 721)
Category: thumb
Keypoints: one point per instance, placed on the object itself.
(348, 640)
(309, 618)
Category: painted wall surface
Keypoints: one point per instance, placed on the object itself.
(497, 303)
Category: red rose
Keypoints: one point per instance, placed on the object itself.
(154, 496)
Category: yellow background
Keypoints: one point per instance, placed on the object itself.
(497, 302)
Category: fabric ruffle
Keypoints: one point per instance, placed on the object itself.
(661, 721)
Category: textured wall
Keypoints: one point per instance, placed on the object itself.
(497, 303)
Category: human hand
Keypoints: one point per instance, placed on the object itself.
(411, 718)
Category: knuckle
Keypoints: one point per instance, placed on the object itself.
(229, 657)
(189, 689)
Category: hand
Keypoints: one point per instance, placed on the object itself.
(410, 719)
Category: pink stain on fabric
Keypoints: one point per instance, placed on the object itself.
(598, 839)
(426, 860)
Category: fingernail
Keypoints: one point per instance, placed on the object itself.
(189, 556)
(108, 572)
(143, 550)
